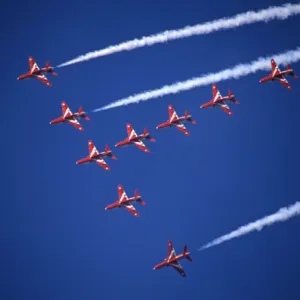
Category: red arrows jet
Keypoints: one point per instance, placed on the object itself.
(176, 121)
(39, 73)
(124, 201)
(135, 139)
(68, 116)
(279, 75)
(172, 259)
(218, 100)
(96, 156)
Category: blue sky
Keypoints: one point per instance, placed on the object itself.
(58, 242)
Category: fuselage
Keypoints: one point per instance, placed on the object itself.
(274, 77)
(35, 73)
(93, 158)
(62, 119)
(215, 103)
(167, 262)
(133, 139)
(175, 122)
(119, 205)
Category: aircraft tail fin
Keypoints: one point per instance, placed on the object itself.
(146, 132)
(48, 65)
(137, 194)
(189, 117)
(292, 73)
(84, 115)
(109, 152)
(230, 94)
(186, 253)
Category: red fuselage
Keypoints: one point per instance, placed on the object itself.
(62, 119)
(272, 78)
(175, 122)
(119, 205)
(133, 139)
(167, 262)
(39, 72)
(214, 103)
(93, 158)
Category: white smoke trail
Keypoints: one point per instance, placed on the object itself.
(281, 215)
(235, 72)
(249, 17)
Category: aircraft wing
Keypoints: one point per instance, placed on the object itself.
(130, 132)
(284, 82)
(129, 207)
(66, 112)
(216, 93)
(33, 65)
(171, 250)
(182, 128)
(122, 196)
(43, 79)
(225, 108)
(178, 267)
(275, 69)
(92, 148)
(75, 123)
(141, 145)
(102, 163)
(172, 114)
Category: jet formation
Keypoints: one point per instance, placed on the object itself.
(94, 156)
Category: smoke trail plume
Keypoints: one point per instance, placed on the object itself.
(249, 17)
(235, 72)
(283, 214)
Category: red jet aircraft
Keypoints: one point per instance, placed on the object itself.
(176, 121)
(279, 75)
(39, 73)
(218, 100)
(135, 139)
(96, 156)
(124, 201)
(172, 259)
(68, 116)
